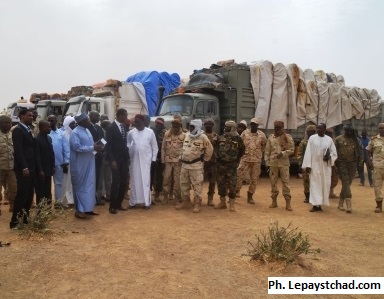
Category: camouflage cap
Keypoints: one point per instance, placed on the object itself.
(255, 121)
(310, 128)
(278, 123)
(230, 123)
(177, 118)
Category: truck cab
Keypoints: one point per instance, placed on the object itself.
(80, 104)
(14, 108)
(48, 107)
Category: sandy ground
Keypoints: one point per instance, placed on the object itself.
(164, 253)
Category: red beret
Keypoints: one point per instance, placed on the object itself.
(159, 120)
(140, 116)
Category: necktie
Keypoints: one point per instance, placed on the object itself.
(122, 130)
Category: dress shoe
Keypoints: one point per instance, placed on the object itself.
(91, 213)
(122, 209)
(79, 215)
(99, 202)
(112, 211)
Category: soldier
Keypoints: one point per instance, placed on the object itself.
(310, 130)
(349, 151)
(375, 161)
(210, 166)
(279, 147)
(334, 176)
(157, 169)
(241, 127)
(196, 149)
(7, 175)
(170, 156)
(230, 148)
(254, 142)
(35, 123)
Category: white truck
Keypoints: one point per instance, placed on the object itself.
(109, 98)
(14, 108)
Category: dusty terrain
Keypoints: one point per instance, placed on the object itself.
(164, 253)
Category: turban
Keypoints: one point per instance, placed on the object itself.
(230, 123)
(197, 123)
(244, 123)
(209, 120)
(80, 117)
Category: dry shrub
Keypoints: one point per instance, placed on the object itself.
(39, 218)
(283, 244)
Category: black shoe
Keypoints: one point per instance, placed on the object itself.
(79, 215)
(112, 211)
(122, 209)
(131, 207)
(147, 207)
(91, 213)
(99, 202)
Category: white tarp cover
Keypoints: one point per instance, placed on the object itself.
(293, 73)
(312, 95)
(132, 98)
(301, 100)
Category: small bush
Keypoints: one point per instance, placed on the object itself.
(280, 244)
(39, 218)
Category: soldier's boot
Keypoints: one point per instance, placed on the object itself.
(306, 197)
(341, 205)
(221, 204)
(379, 207)
(232, 205)
(332, 194)
(274, 202)
(250, 199)
(183, 204)
(196, 205)
(348, 202)
(237, 193)
(165, 199)
(210, 201)
(157, 196)
(288, 204)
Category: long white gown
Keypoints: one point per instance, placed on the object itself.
(143, 149)
(321, 171)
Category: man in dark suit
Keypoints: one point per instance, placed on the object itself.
(118, 157)
(26, 167)
(47, 161)
(97, 134)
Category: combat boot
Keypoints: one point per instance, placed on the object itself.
(165, 199)
(274, 202)
(306, 197)
(348, 201)
(332, 194)
(196, 205)
(157, 196)
(210, 201)
(341, 205)
(232, 205)
(379, 206)
(237, 193)
(222, 204)
(183, 204)
(288, 204)
(250, 199)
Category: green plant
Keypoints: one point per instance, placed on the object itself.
(280, 244)
(39, 218)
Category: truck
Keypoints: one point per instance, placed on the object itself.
(14, 108)
(240, 92)
(51, 107)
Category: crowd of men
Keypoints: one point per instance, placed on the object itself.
(91, 164)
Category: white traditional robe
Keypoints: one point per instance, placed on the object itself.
(67, 183)
(321, 171)
(143, 150)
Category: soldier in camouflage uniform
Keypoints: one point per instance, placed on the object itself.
(279, 147)
(170, 155)
(375, 161)
(230, 148)
(157, 168)
(196, 149)
(349, 150)
(254, 142)
(310, 130)
(334, 176)
(7, 175)
(210, 166)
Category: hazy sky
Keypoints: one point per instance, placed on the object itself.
(50, 46)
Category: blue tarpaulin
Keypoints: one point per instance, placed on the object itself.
(151, 82)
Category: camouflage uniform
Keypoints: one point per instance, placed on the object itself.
(376, 148)
(300, 156)
(195, 150)
(230, 149)
(210, 170)
(170, 155)
(279, 166)
(251, 160)
(158, 168)
(348, 152)
(7, 175)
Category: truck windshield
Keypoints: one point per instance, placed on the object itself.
(73, 109)
(177, 105)
(41, 111)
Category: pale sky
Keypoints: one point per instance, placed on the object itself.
(50, 46)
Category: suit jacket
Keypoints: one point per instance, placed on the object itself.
(46, 154)
(97, 133)
(116, 146)
(25, 150)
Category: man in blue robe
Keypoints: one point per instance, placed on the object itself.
(82, 161)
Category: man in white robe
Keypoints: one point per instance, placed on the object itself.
(143, 150)
(319, 157)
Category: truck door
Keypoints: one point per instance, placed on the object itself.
(208, 109)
